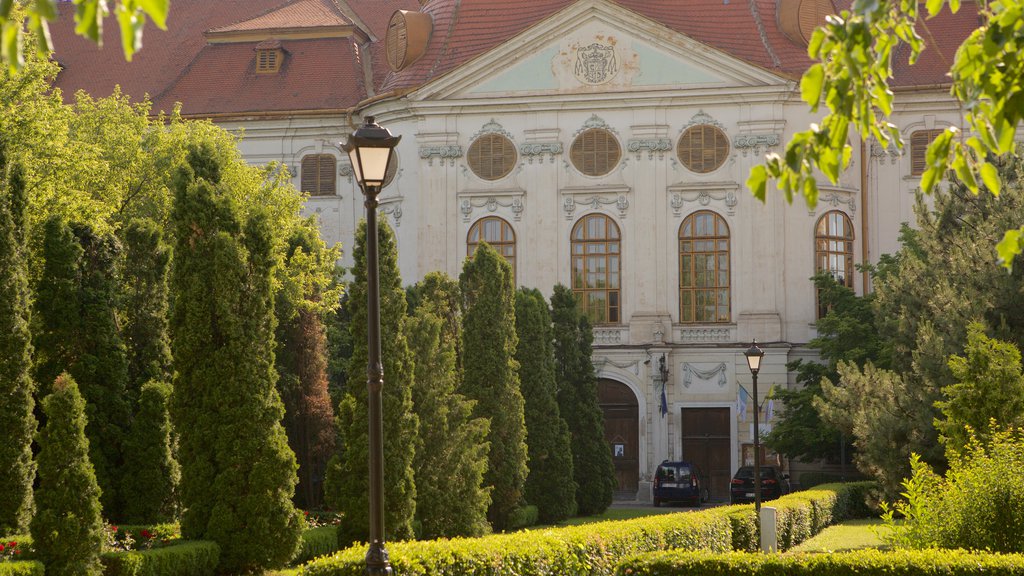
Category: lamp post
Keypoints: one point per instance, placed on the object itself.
(370, 149)
(754, 355)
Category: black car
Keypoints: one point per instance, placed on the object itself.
(774, 483)
(680, 482)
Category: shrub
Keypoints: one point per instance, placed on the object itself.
(316, 542)
(523, 517)
(195, 558)
(860, 562)
(21, 568)
(589, 549)
(979, 505)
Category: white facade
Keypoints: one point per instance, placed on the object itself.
(658, 84)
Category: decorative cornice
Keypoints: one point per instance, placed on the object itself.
(607, 335)
(880, 153)
(703, 194)
(755, 143)
(445, 152)
(705, 334)
(392, 207)
(492, 203)
(836, 199)
(570, 203)
(594, 121)
(531, 150)
(601, 361)
(492, 127)
(701, 118)
(689, 372)
(652, 145)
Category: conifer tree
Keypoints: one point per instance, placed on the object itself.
(67, 528)
(78, 332)
(578, 403)
(144, 302)
(550, 485)
(237, 473)
(17, 422)
(348, 473)
(309, 294)
(151, 473)
(490, 376)
(451, 449)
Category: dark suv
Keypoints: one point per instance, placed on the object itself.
(774, 483)
(680, 482)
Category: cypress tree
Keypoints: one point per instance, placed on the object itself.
(78, 332)
(237, 473)
(451, 449)
(550, 485)
(347, 487)
(151, 473)
(17, 422)
(578, 403)
(302, 358)
(67, 528)
(144, 302)
(490, 376)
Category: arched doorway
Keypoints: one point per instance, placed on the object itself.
(622, 432)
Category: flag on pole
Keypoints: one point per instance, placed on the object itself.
(769, 410)
(741, 404)
(664, 401)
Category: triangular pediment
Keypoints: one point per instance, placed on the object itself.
(596, 46)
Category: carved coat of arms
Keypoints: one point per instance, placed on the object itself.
(596, 63)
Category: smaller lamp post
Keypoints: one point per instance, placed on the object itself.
(370, 149)
(754, 355)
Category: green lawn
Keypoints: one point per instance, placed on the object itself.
(849, 535)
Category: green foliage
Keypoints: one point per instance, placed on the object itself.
(523, 517)
(308, 292)
(578, 404)
(67, 528)
(17, 422)
(237, 473)
(89, 15)
(451, 448)
(316, 542)
(144, 304)
(195, 558)
(593, 549)
(978, 505)
(846, 333)
(855, 50)
(151, 473)
(491, 377)
(347, 483)
(550, 485)
(859, 562)
(23, 568)
(989, 387)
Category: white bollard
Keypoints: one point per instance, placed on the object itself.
(769, 540)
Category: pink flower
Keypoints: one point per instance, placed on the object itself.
(12, 544)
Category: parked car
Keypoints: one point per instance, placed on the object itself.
(774, 483)
(680, 482)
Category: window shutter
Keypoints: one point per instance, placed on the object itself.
(703, 148)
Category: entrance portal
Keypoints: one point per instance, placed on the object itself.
(705, 436)
(622, 432)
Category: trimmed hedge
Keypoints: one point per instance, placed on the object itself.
(859, 563)
(801, 515)
(21, 568)
(316, 542)
(195, 558)
(588, 549)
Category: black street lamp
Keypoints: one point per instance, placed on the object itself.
(370, 149)
(754, 355)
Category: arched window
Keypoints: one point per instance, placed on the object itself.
(595, 267)
(833, 249)
(318, 172)
(496, 232)
(704, 278)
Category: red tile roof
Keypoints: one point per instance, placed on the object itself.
(296, 14)
(316, 74)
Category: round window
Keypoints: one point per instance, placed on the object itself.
(491, 156)
(703, 148)
(595, 152)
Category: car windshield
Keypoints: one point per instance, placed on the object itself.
(746, 472)
(674, 473)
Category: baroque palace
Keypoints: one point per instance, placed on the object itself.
(601, 144)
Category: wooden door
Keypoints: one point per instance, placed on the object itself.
(706, 441)
(622, 432)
